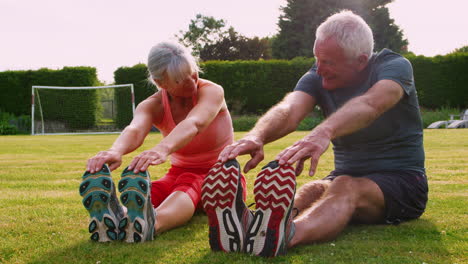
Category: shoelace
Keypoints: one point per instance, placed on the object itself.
(297, 212)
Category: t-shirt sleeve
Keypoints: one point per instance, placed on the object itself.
(399, 70)
(309, 83)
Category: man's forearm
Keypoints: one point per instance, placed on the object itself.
(354, 115)
(361, 111)
(275, 124)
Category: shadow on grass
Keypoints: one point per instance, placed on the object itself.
(413, 242)
(416, 241)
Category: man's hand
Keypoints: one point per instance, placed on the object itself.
(153, 156)
(311, 146)
(113, 158)
(247, 145)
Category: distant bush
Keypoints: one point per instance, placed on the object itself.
(244, 123)
(7, 129)
(309, 123)
(21, 124)
(430, 116)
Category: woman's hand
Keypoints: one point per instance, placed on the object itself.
(154, 156)
(111, 157)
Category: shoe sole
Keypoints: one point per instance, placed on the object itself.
(220, 195)
(138, 225)
(96, 190)
(274, 191)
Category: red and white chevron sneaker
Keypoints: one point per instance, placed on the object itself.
(228, 217)
(272, 226)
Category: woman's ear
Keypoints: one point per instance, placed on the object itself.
(195, 76)
(158, 83)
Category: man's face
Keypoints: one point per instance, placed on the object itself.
(335, 68)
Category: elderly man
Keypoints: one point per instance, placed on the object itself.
(372, 119)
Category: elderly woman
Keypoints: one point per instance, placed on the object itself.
(193, 117)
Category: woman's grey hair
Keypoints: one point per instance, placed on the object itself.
(351, 32)
(171, 60)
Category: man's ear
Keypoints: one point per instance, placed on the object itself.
(362, 61)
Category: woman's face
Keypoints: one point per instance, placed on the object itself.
(184, 88)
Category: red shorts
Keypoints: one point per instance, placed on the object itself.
(188, 180)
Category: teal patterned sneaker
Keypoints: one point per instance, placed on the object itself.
(138, 225)
(99, 198)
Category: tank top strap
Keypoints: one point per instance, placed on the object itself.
(195, 95)
(201, 83)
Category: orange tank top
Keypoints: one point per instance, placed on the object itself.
(204, 149)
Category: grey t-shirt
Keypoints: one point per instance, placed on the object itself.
(394, 141)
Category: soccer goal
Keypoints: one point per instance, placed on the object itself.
(81, 110)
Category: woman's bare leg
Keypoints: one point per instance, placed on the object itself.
(176, 210)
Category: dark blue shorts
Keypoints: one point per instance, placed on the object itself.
(405, 192)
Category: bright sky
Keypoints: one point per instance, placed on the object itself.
(108, 34)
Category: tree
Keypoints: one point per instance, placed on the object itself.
(234, 46)
(462, 49)
(203, 30)
(300, 19)
(209, 40)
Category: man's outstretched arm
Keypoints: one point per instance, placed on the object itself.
(357, 113)
(279, 121)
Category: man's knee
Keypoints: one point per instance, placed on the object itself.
(319, 186)
(363, 194)
(309, 193)
(359, 190)
(343, 185)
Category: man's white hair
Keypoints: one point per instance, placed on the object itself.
(172, 59)
(350, 31)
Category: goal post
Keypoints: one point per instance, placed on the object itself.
(80, 110)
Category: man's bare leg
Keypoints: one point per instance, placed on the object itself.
(345, 199)
(309, 193)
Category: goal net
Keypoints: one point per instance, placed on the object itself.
(81, 110)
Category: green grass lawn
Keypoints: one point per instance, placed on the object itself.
(42, 219)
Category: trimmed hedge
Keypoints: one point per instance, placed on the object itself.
(138, 75)
(441, 81)
(266, 81)
(252, 87)
(80, 107)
